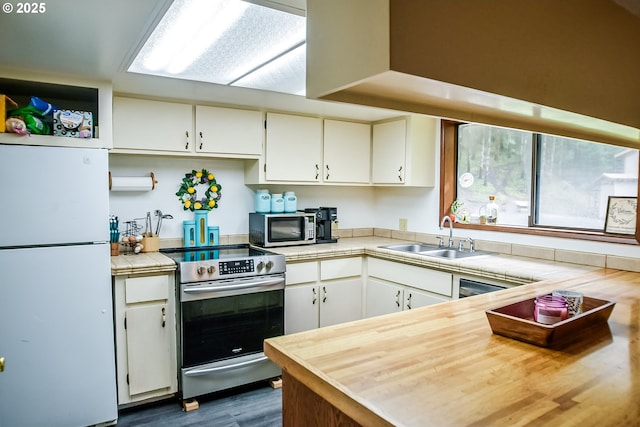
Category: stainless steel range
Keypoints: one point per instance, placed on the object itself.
(231, 298)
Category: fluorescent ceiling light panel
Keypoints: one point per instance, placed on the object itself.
(286, 72)
(227, 42)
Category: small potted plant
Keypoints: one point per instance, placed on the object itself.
(458, 212)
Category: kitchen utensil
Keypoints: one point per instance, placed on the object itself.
(148, 231)
(161, 216)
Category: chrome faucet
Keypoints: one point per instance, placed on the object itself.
(468, 240)
(445, 219)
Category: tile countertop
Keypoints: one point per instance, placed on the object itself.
(150, 262)
(515, 269)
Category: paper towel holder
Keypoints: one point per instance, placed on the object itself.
(151, 179)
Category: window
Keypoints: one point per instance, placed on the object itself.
(538, 181)
(495, 161)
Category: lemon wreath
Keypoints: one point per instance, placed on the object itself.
(188, 194)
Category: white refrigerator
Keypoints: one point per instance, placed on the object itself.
(56, 322)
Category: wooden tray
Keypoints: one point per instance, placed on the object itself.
(516, 321)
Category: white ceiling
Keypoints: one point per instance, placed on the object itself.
(97, 39)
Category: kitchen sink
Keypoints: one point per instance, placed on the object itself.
(434, 251)
(412, 247)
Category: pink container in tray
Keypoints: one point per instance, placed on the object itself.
(516, 321)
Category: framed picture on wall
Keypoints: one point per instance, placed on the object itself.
(621, 215)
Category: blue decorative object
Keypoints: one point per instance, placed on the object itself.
(202, 232)
(189, 228)
(214, 235)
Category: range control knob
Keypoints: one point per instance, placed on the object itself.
(211, 269)
(260, 265)
(201, 270)
(269, 265)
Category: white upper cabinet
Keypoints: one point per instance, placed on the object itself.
(389, 152)
(152, 126)
(159, 127)
(309, 150)
(404, 152)
(347, 152)
(229, 131)
(293, 150)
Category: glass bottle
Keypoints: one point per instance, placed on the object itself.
(492, 211)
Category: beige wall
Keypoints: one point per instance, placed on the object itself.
(576, 55)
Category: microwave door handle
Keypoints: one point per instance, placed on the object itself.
(252, 284)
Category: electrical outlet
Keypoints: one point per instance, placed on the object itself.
(402, 226)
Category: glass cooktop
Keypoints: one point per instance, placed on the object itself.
(204, 253)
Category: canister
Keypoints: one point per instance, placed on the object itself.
(277, 203)
(290, 202)
(202, 235)
(262, 202)
(189, 229)
(214, 235)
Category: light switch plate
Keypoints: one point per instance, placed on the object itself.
(402, 226)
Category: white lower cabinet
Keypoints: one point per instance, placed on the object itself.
(145, 330)
(393, 286)
(322, 293)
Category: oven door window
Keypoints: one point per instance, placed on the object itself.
(220, 328)
(286, 229)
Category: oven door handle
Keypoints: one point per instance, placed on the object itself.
(252, 284)
(210, 370)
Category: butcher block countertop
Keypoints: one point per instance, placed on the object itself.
(441, 365)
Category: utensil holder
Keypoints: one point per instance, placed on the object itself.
(150, 244)
(115, 249)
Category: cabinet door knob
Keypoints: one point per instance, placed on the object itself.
(164, 317)
(324, 294)
(200, 140)
(186, 147)
(327, 172)
(398, 299)
(400, 174)
(409, 301)
(317, 171)
(314, 296)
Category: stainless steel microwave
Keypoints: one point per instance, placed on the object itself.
(282, 229)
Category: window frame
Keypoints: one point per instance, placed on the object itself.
(448, 187)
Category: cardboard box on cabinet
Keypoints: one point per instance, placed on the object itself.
(73, 123)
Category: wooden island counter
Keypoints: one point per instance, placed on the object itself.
(442, 366)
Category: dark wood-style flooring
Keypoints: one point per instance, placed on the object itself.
(254, 405)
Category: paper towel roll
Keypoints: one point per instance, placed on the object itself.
(131, 183)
